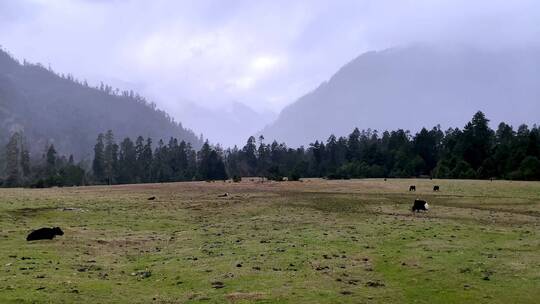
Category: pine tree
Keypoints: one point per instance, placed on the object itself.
(183, 164)
(263, 161)
(353, 146)
(25, 161)
(98, 165)
(216, 166)
(477, 140)
(426, 145)
(110, 160)
(191, 157)
(210, 164)
(250, 156)
(161, 164)
(51, 161)
(203, 162)
(13, 161)
(146, 161)
(127, 162)
(139, 150)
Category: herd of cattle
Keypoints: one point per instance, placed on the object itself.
(51, 233)
(413, 188)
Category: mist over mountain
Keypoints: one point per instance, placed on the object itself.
(228, 125)
(59, 110)
(414, 87)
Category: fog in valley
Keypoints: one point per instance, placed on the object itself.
(226, 69)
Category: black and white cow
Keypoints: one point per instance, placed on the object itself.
(436, 188)
(412, 188)
(420, 205)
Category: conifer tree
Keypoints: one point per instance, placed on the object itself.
(13, 161)
(127, 162)
(51, 161)
(110, 159)
(98, 165)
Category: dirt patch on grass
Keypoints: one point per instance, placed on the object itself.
(241, 296)
(30, 212)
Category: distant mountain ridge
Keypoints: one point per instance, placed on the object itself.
(415, 87)
(60, 110)
(227, 125)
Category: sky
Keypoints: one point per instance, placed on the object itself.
(264, 54)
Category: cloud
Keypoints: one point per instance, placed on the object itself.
(264, 63)
(262, 53)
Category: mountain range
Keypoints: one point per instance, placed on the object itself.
(228, 125)
(407, 87)
(414, 87)
(58, 109)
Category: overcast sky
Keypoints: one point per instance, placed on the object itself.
(261, 53)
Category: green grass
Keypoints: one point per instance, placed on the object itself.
(313, 242)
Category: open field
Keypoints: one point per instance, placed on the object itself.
(314, 241)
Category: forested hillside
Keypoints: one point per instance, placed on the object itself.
(415, 87)
(58, 109)
(474, 152)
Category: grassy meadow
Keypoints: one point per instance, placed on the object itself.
(314, 241)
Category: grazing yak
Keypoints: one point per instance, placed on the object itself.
(412, 188)
(151, 198)
(44, 234)
(435, 188)
(420, 205)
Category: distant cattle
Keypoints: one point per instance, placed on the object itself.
(420, 205)
(224, 195)
(151, 198)
(412, 188)
(435, 188)
(44, 234)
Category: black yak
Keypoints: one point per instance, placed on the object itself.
(412, 188)
(44, 234)
(151, 198)
(420, 205)
(435, 188)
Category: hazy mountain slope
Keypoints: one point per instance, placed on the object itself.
(415, 87)
(228, 125)
(52, 109)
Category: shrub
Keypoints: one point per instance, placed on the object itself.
(294, 177)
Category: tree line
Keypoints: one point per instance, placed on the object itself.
(51, 170)
(138, 162)
(474, 152)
